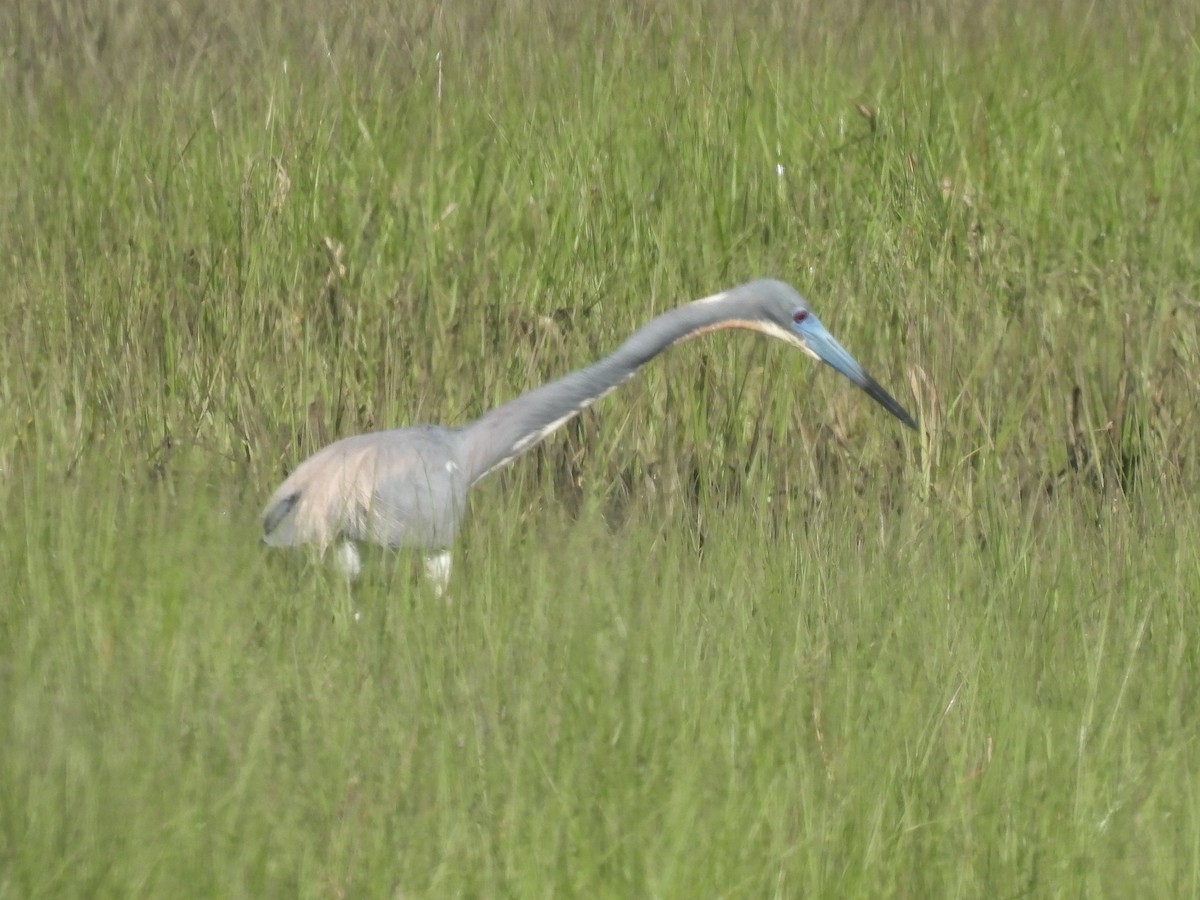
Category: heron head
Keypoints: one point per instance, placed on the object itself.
(805, 330)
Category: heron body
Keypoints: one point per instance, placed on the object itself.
(408, 487)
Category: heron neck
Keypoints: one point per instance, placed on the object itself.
(501, 435)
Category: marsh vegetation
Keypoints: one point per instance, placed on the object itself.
(734, 632)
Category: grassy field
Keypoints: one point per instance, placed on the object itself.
(733, 633)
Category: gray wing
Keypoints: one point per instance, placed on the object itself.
(396, 488)
(420, 492)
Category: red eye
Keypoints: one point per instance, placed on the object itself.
(799, 316)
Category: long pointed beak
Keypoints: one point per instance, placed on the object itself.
(824, 346)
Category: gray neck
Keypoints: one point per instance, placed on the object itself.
(500, 436)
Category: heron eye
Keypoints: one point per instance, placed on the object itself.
(799, 316)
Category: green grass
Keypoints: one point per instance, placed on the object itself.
(733, 633)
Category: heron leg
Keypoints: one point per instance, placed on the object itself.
(347, 560)
(437, 570)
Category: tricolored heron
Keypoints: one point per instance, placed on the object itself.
(408, 487)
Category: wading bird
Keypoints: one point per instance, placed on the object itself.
(408, 487)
